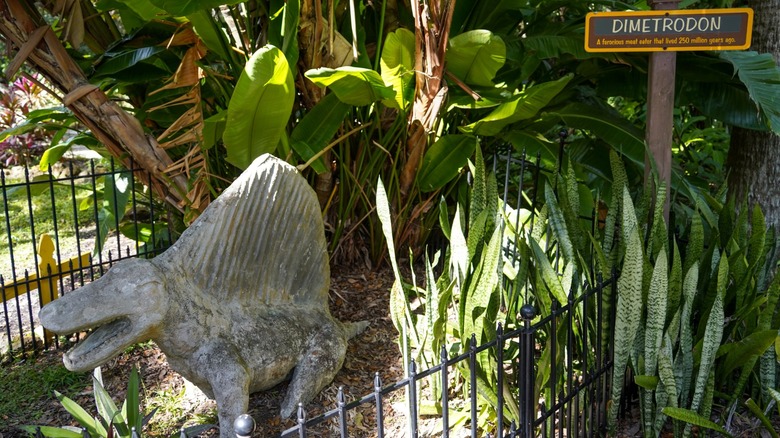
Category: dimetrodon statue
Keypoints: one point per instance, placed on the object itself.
(237, 304)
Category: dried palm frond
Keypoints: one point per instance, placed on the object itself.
(119, 131)
(187, 130)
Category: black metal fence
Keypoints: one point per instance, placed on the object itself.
(560, 364)
(577, 408)
(63, 228)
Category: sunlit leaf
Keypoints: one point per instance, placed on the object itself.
(51, 432)
(397, 66)
(352, 85)
(260, 107)
(82, 417)
(475, 56)
(53, 154)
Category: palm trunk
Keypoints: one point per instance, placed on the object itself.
(120, 132)
(431, 30)
(754, 156)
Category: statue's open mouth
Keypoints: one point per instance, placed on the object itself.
(103, 343)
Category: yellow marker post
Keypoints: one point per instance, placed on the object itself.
(47, 288)
(49, 273)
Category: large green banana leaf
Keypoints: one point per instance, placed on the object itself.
(352, 85)
(476, 56)
(114, 63)
(260, 107)
(397, 66)
(613, 129)
(761, 77)
(524, 106)
(444, 159)
(317, 128)
(180, 8)
(142, 10)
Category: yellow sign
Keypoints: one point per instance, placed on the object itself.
(674, 30)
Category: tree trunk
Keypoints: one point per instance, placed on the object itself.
(431, 30)
(754, 156)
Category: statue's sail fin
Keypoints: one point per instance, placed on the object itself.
(261, 240)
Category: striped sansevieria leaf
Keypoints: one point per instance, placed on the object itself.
(713, 335)
(629, 302)
(684, 361)
(558, 225)
(654, 330)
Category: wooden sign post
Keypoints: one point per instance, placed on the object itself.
(660, 110)
(664, 31)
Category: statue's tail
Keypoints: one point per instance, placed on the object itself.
(352, 329)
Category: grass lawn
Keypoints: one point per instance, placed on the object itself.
(50, 210)
(28, 389)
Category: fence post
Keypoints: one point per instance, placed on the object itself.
(473, 383)
(413, 400)
(380, 420)
(445, 403)
(341, 402)
(301, 421)
(500, 380)
(527, 396)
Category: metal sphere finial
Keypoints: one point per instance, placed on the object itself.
(527, 312)
(244, 425)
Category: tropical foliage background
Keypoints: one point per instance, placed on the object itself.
(409, 92)
(351, 91)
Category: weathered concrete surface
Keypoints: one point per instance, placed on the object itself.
(236, 304)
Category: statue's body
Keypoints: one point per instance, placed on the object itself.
(236, 304)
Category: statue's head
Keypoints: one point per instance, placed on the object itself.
(126, 305)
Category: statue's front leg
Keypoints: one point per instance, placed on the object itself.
(229, 380)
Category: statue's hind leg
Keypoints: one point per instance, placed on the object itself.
(321, 361)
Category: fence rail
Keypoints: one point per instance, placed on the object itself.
(63, 228)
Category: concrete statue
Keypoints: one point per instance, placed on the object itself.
(238, 303)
